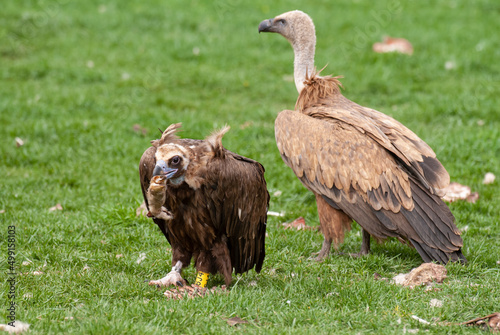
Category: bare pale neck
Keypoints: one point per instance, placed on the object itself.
(304, 61)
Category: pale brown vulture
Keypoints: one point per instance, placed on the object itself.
(361, 164)
(211, 205)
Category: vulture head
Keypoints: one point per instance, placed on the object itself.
(172, 161)
(298, 28)
(179, 161)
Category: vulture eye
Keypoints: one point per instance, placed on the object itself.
(175, 160)
(282, 22)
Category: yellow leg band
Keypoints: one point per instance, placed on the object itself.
(201, 279)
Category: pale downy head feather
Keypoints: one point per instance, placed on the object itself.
(215, 141)
(168, 135)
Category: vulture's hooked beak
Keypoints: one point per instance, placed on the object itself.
(266, 25)
(161, 169)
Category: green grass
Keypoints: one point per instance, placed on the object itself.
(76, 76)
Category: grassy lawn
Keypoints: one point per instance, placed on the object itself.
(75, 77)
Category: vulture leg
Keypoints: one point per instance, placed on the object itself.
(204, 266)
(333, 224)
(365, 245)
(325, 250)
(217, 259)
(172, 278)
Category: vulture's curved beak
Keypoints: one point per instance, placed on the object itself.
(161, 169)
(266, 25)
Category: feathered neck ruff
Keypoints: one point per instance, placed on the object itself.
(317, 88)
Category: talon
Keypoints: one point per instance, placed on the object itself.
(172, 278)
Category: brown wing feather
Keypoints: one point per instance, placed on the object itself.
(355, 174)
(146, 167)
(243, 200)
(331, 153)
(321, 98)
(371, 167)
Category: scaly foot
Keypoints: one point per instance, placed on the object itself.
(325, 250)
(172, 278)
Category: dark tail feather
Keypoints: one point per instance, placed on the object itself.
(260, 249)
(430, 254)
(438, 238)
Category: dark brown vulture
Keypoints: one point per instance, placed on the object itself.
(360, 164)
(211, 205)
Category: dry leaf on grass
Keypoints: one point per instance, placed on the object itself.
(425, 322)
(456, 191)
(125, 76)
(473, 197)
(236, 321)
(436, 303)
(181, 292)
(271, 213)
(18, 328)
(19, 142)
(57, 207)
(142, 256)
(137, 128)
(431, 288)
(298, 224)
(450, 65)
(246, 124)
(489, 178)
(2, 211)
(393, 44)
(424, 274)
(491, 321)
